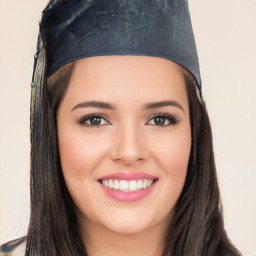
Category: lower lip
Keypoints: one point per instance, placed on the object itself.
(128, 196)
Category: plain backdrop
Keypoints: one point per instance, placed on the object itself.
(225, 32)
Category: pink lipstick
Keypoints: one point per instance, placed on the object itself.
(128, 186)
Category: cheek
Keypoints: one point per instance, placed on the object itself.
(176, 156)
(174, 163)
(80, 157)
(79, 154)
(173, 151)
(73, 156)
(172, 155)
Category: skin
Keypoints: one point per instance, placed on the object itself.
(127, 138)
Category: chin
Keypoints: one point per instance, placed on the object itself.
(132, 222)
(128, 227)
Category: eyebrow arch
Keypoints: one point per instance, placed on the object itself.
(93, 104)
(163, 104)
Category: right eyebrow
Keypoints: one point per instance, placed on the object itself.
(93, 104)
(163, 104)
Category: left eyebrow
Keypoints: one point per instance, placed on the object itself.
(94, 104)
(165, 103)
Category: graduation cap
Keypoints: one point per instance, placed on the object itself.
(76, 29)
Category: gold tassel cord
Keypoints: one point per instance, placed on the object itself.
(37, 85)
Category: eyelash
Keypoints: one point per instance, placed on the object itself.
(172, 120)
(83, 120)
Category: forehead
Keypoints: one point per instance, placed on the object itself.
(140, 78)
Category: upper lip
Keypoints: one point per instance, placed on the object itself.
(128, 176)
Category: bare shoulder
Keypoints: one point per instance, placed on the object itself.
(14, 248)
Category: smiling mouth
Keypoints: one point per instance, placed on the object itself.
(128, 185)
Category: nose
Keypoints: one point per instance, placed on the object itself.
(128, 147)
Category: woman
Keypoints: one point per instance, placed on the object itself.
(121, 158)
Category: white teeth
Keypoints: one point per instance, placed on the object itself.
(127, 186)
(116, 184)
(132, 185)
(110, 184)
(139, 184)
(145, 184)
(123, 185)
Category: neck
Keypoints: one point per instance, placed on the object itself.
(103, 242)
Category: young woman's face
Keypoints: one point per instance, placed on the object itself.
(123, 124)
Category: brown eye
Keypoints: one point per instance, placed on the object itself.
(163, 120)
(159, 120)
(93, 120)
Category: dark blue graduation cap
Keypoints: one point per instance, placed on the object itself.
(76, 29)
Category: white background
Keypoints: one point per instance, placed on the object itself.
(225, 32)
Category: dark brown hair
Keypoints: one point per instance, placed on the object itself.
(197, 228)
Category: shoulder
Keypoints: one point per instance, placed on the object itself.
(14, 248)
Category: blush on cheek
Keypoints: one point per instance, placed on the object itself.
(181, 158)
(80, 154)
(176, 156)
(73, 157)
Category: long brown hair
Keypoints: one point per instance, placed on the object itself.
(197, 227)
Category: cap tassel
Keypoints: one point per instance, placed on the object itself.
(37, 86)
